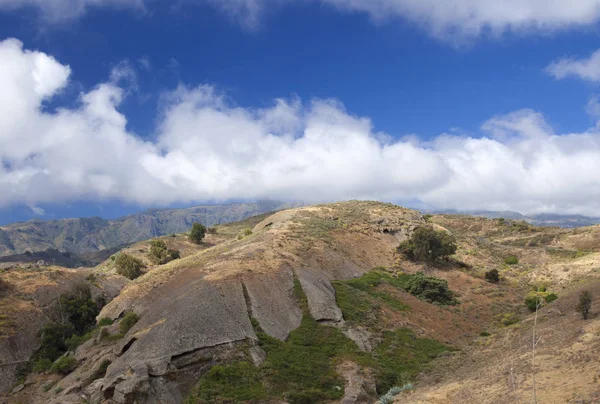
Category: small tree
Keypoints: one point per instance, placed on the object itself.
(428, 245)
(585, 304)
(128, 266)
(160, 254)
(198, 232)
(492, 276)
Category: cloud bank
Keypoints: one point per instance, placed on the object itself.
(449, 20)
(583, 68)
(205, 148)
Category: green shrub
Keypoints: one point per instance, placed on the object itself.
(64, 365)
(160, 254)
(100, 372)
(511, 260)
(428, 288)
(127, 322)
(585, 304)
(52, 341)
(533, 302)
(42, 365)
(550, 297)
(197, 233)
(105, 321)
(80, 309)
(236, 382)
(484, 334)
(247, 231)
(509, 319)
(492, 276)
(428, 245)
(75, 340)
(129, 266)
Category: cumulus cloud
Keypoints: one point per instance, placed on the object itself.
(450, 20)
(206, 148)
(584, 68)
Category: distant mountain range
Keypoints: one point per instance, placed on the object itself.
(542, 219)
(89, 235)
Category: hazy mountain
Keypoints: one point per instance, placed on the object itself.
(87, 235)
(541, 219)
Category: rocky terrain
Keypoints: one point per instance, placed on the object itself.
(89, 235)
(315, 304)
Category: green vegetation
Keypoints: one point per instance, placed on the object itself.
(401, 357)
(197, 233)
(236, 382)
(127, 322)
(388, 398)
(492, 276)
(428, 245)
(585, 304)
(105, 321)
(533, 302)
(80, 308)
(64, 365)
(129, 266)
(511, 260)
(429, 288)
(550, 297)
(42, 365)
(100, 372)
(302, 368)
(160, 254)
(361, 298)
(79, 315)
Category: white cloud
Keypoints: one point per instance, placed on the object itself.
(449, 20)
(207, 148)
(61, 10)
(586, 68)
(37, 210)
(593, 107)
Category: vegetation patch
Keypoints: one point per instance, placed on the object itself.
(160, 254)
(127, 322)
(128, 266)
(401, 356)
(197, 233)
(428, 245)
(64, 365)
(511, 260)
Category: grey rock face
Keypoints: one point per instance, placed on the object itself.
(320, 295)
(200, 315)
(273, 303)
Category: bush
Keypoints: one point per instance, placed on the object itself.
(129, 266)
(197, 233)
(492, 276)
(100, 372)
(127, 322)
(80, 309)
(511, 260)
(75, 340)
(432, 289)
(550, 297)
(533, 302)
(53, 337)
(160, 254)
(64, 365)
(42, 365)
(428, 245)
(585, 304)
(105, 321)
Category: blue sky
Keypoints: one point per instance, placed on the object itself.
(487, 110)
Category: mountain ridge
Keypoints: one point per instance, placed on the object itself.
(88, 235)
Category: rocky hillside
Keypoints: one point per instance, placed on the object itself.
(88, 235)
(315, 304)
